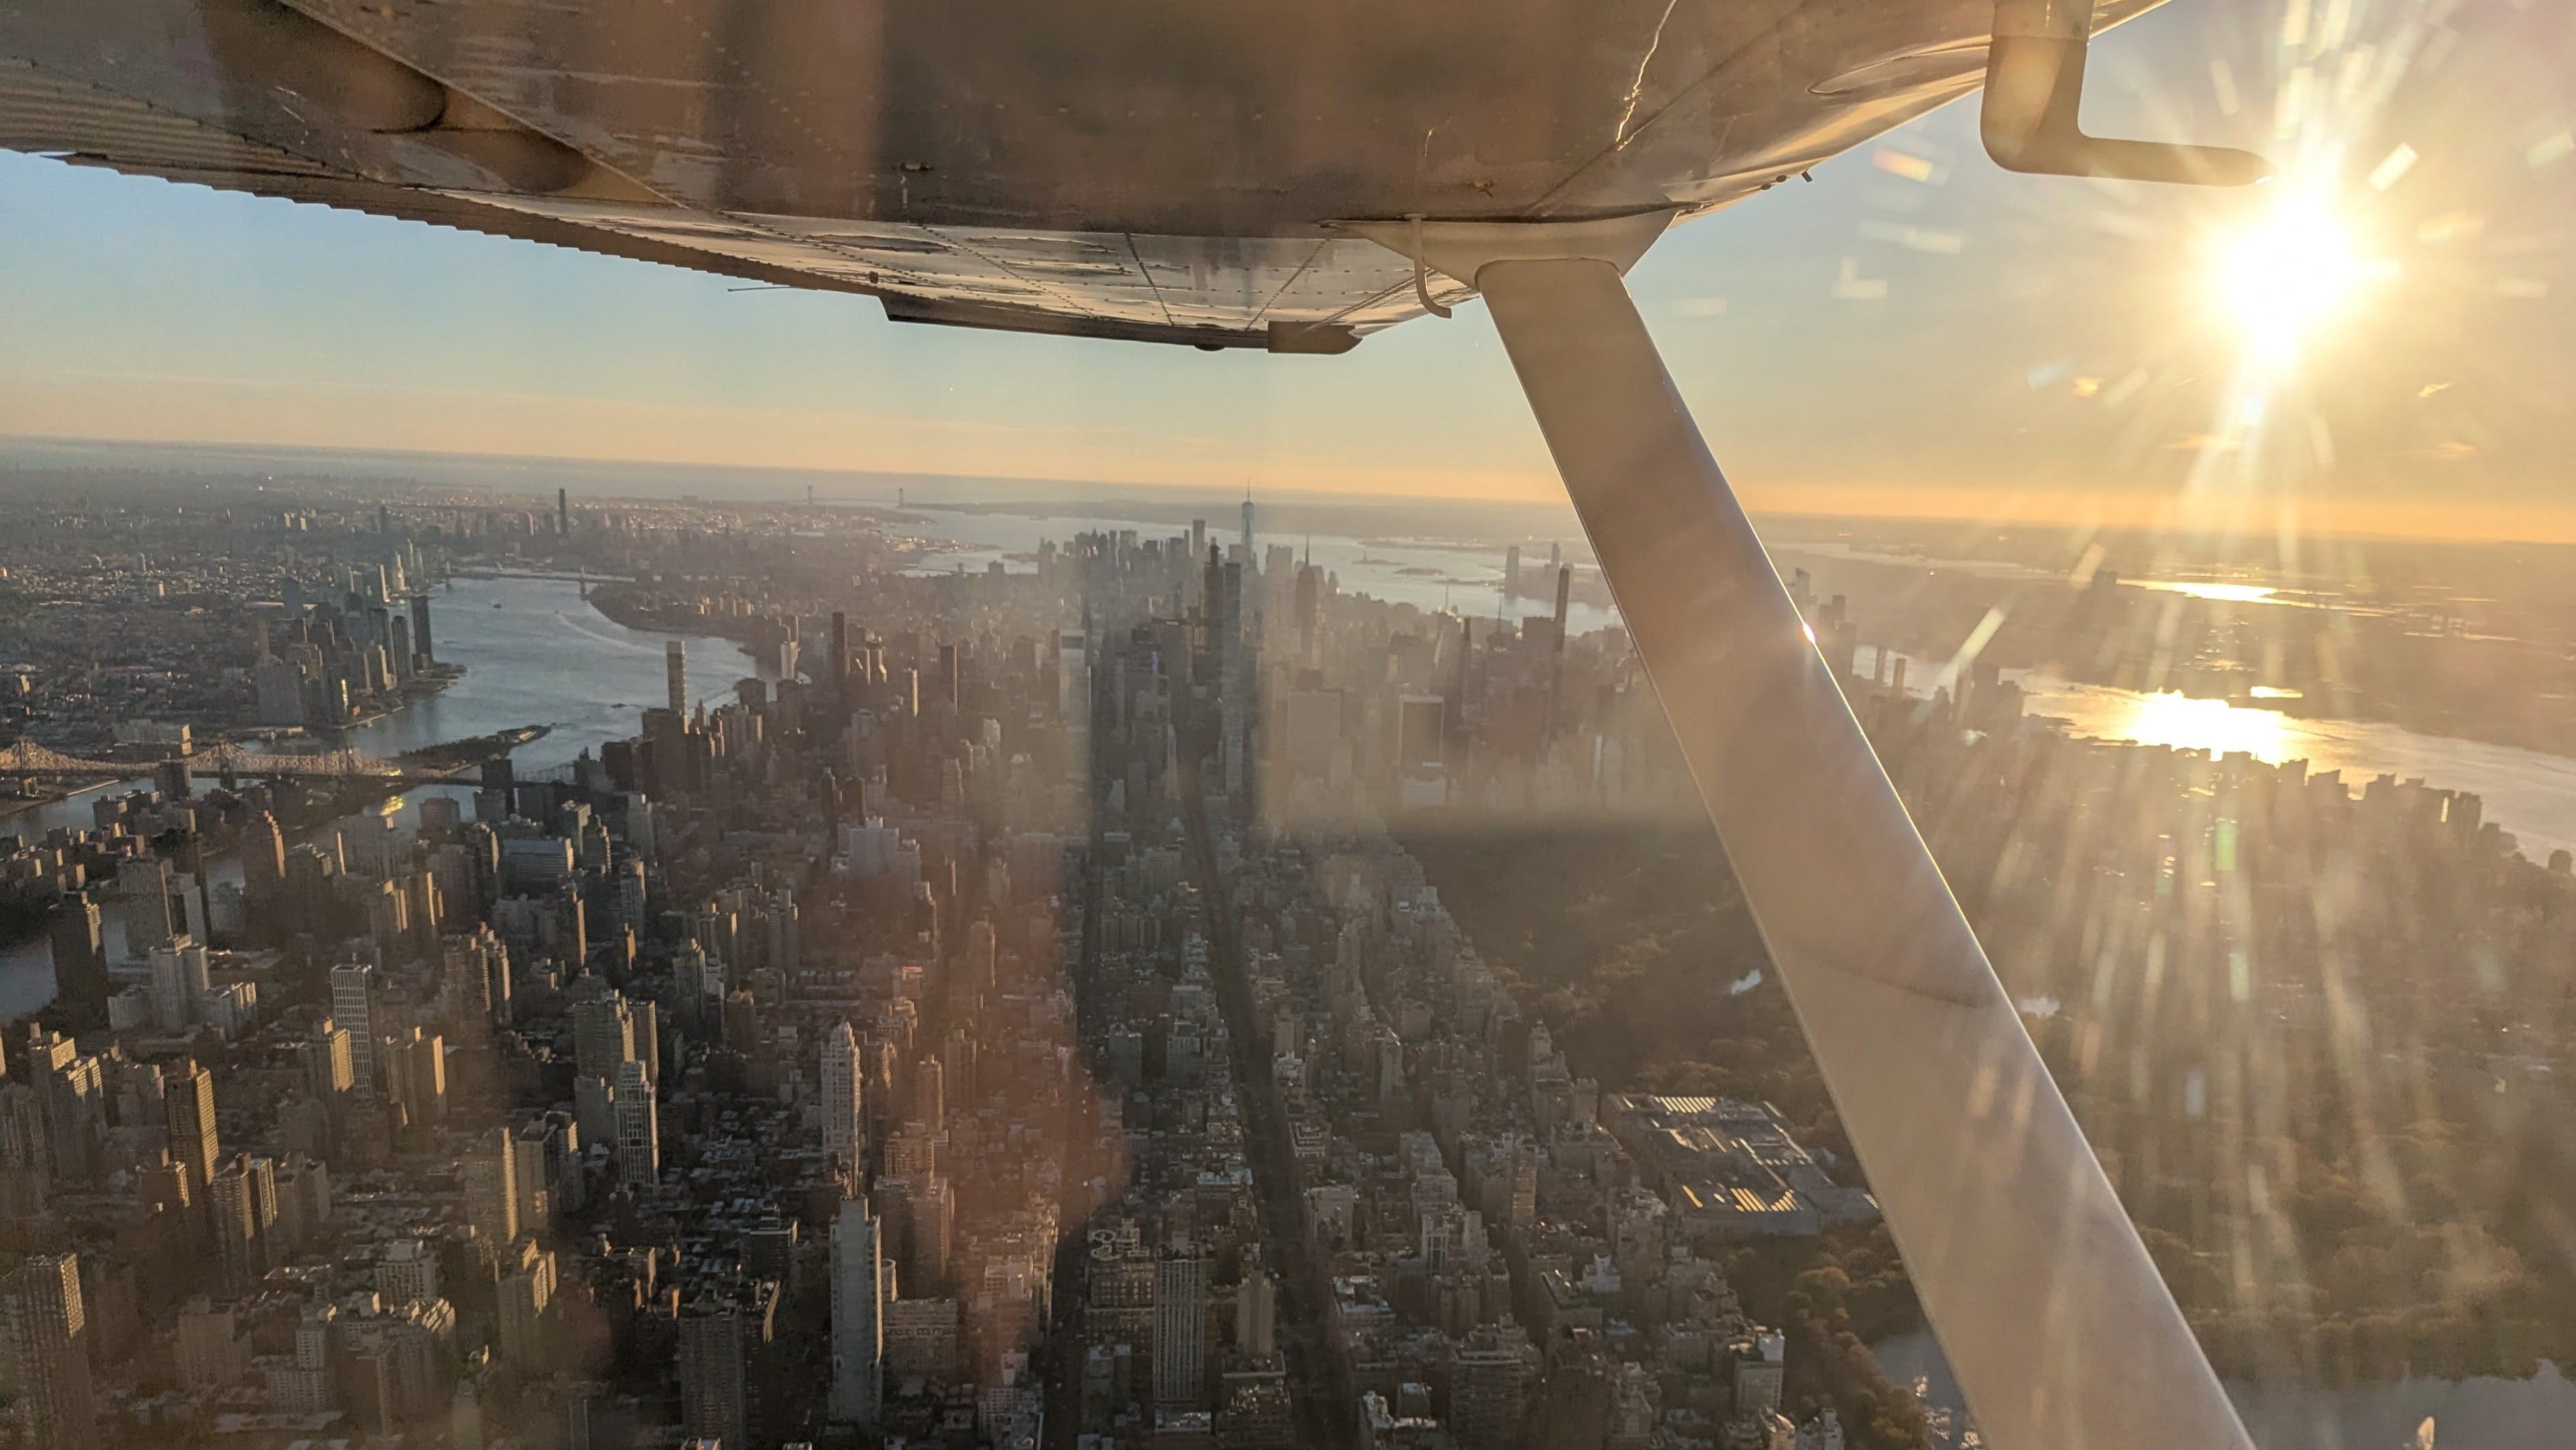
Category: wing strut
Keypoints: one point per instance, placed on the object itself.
(2035, 87)
(2038, 1288)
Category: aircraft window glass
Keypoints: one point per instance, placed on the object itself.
(1652, 728)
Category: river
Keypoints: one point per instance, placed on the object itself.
(543, 657)
(2474, 1414)
(2528, 793)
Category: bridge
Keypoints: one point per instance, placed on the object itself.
(27, 758)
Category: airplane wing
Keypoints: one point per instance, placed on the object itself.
(1129, 169)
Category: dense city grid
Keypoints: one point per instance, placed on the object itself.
(1007, 1013)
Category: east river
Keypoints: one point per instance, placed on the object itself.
(544, 656)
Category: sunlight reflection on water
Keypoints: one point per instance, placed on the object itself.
(2224, 593)
(2212, 725)
(2530, 794)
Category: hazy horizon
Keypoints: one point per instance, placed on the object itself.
(1287, 508)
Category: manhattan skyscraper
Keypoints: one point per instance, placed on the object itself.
(844, 1097)
(858, 1317)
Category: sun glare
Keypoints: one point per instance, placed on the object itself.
(2185, 723)
(2287, 275)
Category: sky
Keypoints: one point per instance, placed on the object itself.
(1915, 332)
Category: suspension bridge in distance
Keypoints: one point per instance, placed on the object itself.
(26, 758)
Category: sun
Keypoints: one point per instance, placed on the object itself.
(2290, 273)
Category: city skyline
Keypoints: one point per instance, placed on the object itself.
(1164, 989)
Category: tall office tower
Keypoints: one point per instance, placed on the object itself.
(528, 1281)
(921, 1340)
(25, 1176)
(1278, 572)
(353, 1006)
(278, 683)
(1234, 680)
(563, 511)
(179, 981)
(329, 1068)
(603, 1036)
(633, 894)
(306, 1389)
(1180, 1327)
(839, 673)
(311, 874)
(930, 1094)
(1249, 558)
(241, 1204)
(982, 966)
(1118, 1290)
(1073, 698)
(786, 933)
(648, 1035)
(134, 1091)
(143, 888)
(549, 1169)
(639, 1131)
(1512, 572)
(532, 1176)
(845, 1109)
(188, 1098)
(912, 1152)
(420, 645)
(407, 1274)
(721, 1330)
(261, 1172)
(962, 1055)
(492, 1187)
(73, 1090)
(594, 1110)
(930, 1230)
(42, 1323)
(1309, 608)
(1489, 1388)
(675, 673)
(858, 1317)
(303, 1190)
(80, 962)
(1256, 1315)
(475, 969)
(263, 858)
(416, 1077)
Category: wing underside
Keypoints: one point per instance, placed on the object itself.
(1121, 170)
(1291, 295)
